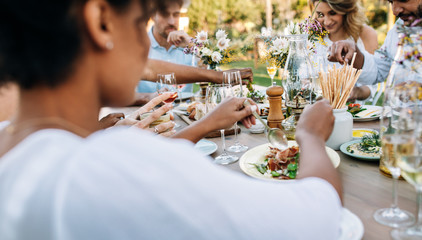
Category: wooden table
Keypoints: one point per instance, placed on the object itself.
(365, 188)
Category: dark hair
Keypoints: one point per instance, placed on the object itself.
(40, 40)
(166, 4)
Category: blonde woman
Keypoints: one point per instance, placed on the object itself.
(345, 20)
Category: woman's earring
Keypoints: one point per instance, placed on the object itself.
(109, 45)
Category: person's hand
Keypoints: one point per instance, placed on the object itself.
(178, 38)
(359, 93)
(134, 120)
(342, 51)
(317, 120)
(246, 74)
(144, 98)
(110, 120)
(230, 111)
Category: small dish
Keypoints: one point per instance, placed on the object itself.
(257, 128)
(358, 133)
(206, 147)
(351, 227)
(343, 149)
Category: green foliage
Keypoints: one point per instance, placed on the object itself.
(210, 15)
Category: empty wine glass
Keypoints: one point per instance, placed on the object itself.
(395, 142)
(234, 79)
(167, 83)
(215, 95)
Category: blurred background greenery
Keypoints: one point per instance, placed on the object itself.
(244, 19)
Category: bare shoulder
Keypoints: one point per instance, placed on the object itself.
(369, 38)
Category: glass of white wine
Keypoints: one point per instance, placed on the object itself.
(410, 163)
(395, 142)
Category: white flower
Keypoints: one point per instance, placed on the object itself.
(223, 44)
(292, 28)
(266, 32)
(220, 34)
(280, 45)
(202, 37)
(206, 52)
(216, 57)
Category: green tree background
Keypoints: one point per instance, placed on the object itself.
(243, 17)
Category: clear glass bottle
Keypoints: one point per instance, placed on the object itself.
(298, 73)
(297, 81)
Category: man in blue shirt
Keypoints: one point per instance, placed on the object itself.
(167, 42)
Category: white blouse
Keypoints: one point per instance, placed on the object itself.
(129, 184)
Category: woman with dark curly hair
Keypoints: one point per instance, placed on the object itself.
(63, 178)
(345, 20)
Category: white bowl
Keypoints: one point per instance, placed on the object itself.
(257, 128)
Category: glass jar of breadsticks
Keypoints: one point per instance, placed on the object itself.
(336, 85)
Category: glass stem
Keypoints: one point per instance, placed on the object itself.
(419, 210)
(272, 81)
(395, 198)
(236, 142)
(223, 140)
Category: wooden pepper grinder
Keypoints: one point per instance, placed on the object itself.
(275, 115)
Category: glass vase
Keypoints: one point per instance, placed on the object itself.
(298, 73)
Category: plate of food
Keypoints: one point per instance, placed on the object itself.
(363, 113)
(206, 147)
(268, 163)
(367, 148)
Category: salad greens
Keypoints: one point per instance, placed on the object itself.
(355, 108)
(370, 143)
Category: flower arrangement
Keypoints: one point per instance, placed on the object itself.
(410, 37)
(210, 54)
(278, 47)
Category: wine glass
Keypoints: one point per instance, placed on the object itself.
(410, 163)
(166, 82)
(272, 70)
(395, 142)
(216, 94)
(234, 79)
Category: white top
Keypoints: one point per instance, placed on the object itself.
(130, 184)
(376, 67)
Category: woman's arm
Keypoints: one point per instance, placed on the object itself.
(369, 39)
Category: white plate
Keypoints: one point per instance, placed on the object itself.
(206, 147)
(185, 95)
(370, 118)
(351, 227)
(257, 155)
